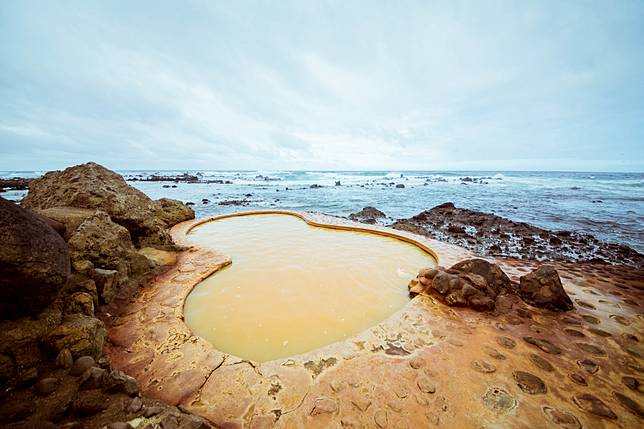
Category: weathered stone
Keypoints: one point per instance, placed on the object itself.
(64, 359)
(34, 262)
(80, 302)
(506, 342)
(542, 288)
(81, 365)
(499, 400)
(483, 366)
(46, 386)
(119, 382)
(135, 405)
(633, 384)
(172, 212)
(107, 245)
(7, 368)
(92, 186)
(152, 411)
(529, 383)
(93, 378)
(324, 405)
(629, 404)
(70, 217)
(588, 365)
(594, 405)
(464, 284)
(561, 418)
(82, 335)
(541, 362)
(107, 283)
(544, 345)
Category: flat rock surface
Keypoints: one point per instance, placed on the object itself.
(402, 372)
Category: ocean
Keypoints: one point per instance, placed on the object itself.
(609, 206)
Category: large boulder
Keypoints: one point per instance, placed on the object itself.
(471, 283)
(93, 186)
(106, 245)
(70, 217)
(172, 212)
(34, 261)
(542, 288)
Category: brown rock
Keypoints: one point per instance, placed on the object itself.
(81, 365)
(368, 215)
(90, 402)
(46, 386)
(562, 418)
(34, 262)
(594, 405)
(324, 405)
(541, 363)
(92, 186)
(629, 404)
(70, 217)
(542, 288)
(107, 245)
(544, 345)
(493, 275)
(119, 382)
(82, 335)
(529, 383)
(80, 302)
(172, 212)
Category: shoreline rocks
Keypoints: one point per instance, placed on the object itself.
(370, 215)
(34, 261)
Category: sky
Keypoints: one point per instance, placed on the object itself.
(325, 85)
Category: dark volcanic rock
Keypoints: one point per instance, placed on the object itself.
(489, 234)
(34, 261)
(92, 186)
(368, 215)
(542, 288)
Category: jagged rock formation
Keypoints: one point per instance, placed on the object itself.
(34, 261)
(542, 288)
(92, 186)
(172, 212)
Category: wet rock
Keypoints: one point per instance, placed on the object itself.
(562, 418)
(492, 273)
(544, 345)
(460, 285)
(107, 245)
(541, 363)
(542, 288)
(92, 186)
(594, 405)
(499, 400)
(89, 402)
(82, 335)
(629, 404)
(368, 215)
(482, 366)
(529, 383)
(119, 382)
(172, 212)
(46, 386)
(81, 365)
(34, 262)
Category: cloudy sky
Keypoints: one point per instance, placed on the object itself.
(323, 84)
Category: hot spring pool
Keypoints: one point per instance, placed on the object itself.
(293, 287)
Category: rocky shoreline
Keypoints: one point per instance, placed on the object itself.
(83, 245)
(487, 234)
(80, 239)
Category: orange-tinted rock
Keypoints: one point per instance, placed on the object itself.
(594, 405)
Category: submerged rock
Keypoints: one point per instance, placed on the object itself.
(34, 262)
(92, 186)
(542, 288)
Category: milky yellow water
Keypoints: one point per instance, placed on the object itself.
(293, 287)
